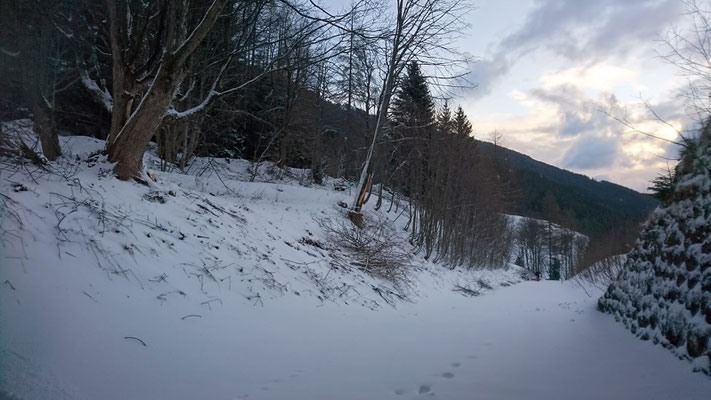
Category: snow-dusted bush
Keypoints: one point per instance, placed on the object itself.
(664, 290)
(375, 248)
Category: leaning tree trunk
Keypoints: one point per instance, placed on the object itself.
(130, 143)
(130, 137)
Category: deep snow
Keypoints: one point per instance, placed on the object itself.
(534, 340)
(109, 292)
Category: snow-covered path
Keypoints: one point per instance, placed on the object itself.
(534, 340)
(545, 340)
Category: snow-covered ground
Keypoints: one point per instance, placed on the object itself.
(207, 286)
(534, 340)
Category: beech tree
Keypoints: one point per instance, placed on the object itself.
(150, 45)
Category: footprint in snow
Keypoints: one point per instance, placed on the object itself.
(424, 389)
(455, 364)
(399, 392)
(448, 375)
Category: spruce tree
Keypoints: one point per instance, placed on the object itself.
(413, 106)
(462, 125)
(445, 123)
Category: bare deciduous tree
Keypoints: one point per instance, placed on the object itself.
(150, 45)
(420, 29)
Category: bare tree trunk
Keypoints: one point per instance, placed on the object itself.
(382, 110)
(35, 44)
(131, 142)
(43, 119)
(379, 203)
(130, 135)
(184, 156)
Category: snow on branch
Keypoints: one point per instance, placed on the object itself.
(10, 53)
(103, 96)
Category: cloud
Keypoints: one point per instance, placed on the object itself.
(590, 29)
(584, 31)
(578, 113)
(486, 72)
(573, 124)
(595, 48)
(565, 126)
(591, 152)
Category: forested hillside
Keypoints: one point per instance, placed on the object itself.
(343, 95)
(574, 200)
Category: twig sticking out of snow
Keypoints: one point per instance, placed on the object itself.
(208, 302)
(257, 299)
(466, 291)
(191, 315)
(89, 296)
(137, 339)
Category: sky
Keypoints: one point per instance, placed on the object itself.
(550, 72)
(548, 75)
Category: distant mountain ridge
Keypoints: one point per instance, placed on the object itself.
(590, 206)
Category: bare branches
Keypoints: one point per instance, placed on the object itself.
(376, 248)
(186, 48)
(688, 49)
(625, 120)
(466, 291)
(420, 32)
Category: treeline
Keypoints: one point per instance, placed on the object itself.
(340, 93)
(549, 251)
(455, 199)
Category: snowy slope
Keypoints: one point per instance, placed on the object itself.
(207, 286)
(92, 266)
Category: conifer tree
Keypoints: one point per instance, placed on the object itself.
(461, 123)
(445, 123)
(413, 107)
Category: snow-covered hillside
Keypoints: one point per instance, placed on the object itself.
(206, 285)
(92, 264)
(664, 291)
